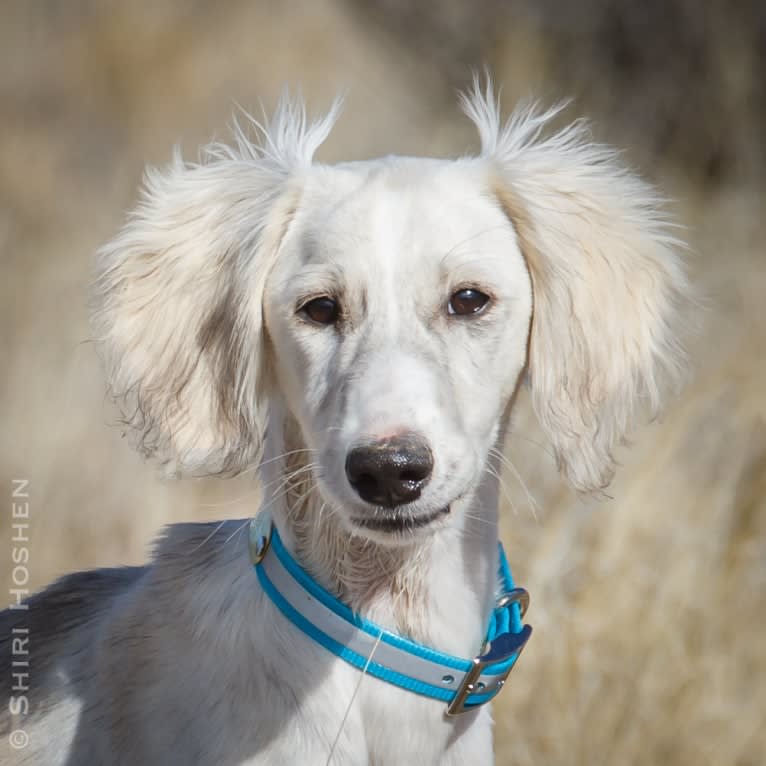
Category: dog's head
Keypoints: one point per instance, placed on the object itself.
(388, 309)
(398, 312)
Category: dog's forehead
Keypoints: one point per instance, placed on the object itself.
(398, 209)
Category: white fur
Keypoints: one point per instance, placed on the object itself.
(196, 309)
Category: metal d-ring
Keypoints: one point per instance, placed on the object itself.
(516, 596)
(260, 536)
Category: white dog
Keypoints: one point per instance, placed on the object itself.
(359, 332)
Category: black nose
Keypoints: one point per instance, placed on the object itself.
(390, 472)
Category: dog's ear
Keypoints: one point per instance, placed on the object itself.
(608, 283)
(177, 301)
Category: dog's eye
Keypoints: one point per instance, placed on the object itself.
(322, 310)
(467, 301)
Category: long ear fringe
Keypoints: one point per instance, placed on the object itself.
(610, 287)
(176, 309)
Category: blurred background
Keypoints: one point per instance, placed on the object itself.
(650, 608)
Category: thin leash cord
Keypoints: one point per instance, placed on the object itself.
(358, 685)
(353, 697)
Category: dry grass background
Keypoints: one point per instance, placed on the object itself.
(650, 609)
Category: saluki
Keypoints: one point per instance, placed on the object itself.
(357, 333)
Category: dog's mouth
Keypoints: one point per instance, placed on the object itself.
(399, 521)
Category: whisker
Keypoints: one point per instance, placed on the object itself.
(208, 538)
(503, 488)
(295, 506)
(481, 520)
(542, 446)
(287, 485)
(283, 480)
(285, 454)
(533, 505)
(237, 530)
(275, 497)
(259, 489)
(232, 501)
(274, 459)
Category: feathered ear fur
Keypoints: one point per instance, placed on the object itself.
(607, 281)
(177, 298)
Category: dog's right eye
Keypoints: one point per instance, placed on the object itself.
(322, 310)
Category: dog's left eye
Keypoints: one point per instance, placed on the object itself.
(322, 310)
(467, 301)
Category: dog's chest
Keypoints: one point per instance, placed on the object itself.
(347, 723)
(361, 719)
(401, 727)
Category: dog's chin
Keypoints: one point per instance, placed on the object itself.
(393, 526)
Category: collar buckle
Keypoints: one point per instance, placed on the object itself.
(505, 648)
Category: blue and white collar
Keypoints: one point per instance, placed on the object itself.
(462, 683)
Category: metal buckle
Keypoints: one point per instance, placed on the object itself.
(500, 649)
(260, 536)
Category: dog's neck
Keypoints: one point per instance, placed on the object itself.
(438, 590)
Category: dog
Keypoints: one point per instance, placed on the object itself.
(358, 333)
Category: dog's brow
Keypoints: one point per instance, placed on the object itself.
(455, 253)
(313, 278)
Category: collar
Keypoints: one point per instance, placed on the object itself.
(462, 683)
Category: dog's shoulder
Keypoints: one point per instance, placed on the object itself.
(63, 622)
(80, 649)
(58, 611)
(48, 636)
